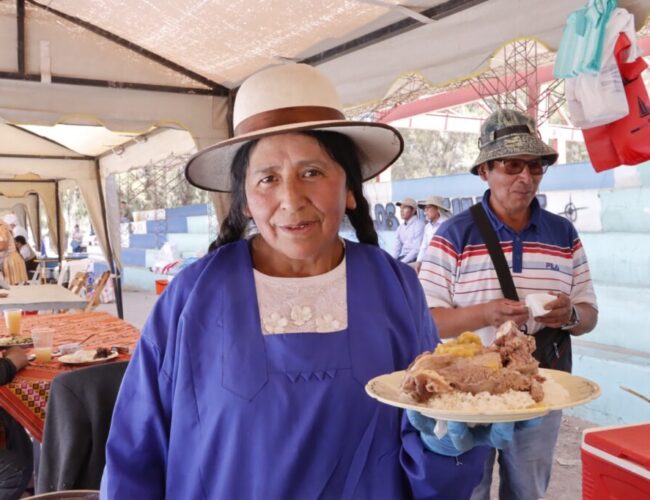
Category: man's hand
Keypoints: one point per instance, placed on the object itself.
(17, 356)
(560, 311)
(498, 311)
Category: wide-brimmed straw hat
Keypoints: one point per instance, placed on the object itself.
(408, 202)
(507, 133)
(291, 98)
(436, 201)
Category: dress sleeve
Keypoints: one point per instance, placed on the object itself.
(429, 474)
(136, 450)
(137, 446)
(437, 476)
(7, 371)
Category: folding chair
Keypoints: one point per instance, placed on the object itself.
(97, 292)
(78, 283)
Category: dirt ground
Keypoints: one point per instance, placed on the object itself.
(566, 479)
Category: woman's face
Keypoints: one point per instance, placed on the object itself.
(297, 196)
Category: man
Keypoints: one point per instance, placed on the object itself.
(409, 234)
(26, 252)
(435, 213)
(16, 456)
(544, 254)
(77, 239)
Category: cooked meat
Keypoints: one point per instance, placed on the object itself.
(508, 364)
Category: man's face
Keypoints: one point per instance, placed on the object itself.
(431, 212)
(406, 212)
(511, 194)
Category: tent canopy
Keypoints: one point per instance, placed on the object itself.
(103, 86)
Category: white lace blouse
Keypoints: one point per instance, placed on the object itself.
(298, 305)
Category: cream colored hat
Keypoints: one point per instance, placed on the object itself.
(10, 219)
(436, 201)
(291, 98)
(408, 202)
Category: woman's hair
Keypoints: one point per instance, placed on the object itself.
(20, 239)
(341, 149)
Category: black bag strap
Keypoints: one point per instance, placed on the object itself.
(495, 250)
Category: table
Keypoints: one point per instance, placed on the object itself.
(25, 398)
(41, 297)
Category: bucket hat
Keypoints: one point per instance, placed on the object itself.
(436, 201)
(291, 98)
(10, 219)
(408, 202)
(508, 132)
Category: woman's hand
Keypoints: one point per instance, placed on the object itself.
(498, 311)
(17, 356)
(461, 438)
(560, 311)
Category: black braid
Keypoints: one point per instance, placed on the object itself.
(233, 227)
(341, 149)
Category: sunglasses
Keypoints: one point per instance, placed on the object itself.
(515, 166)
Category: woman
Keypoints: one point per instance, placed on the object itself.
(248, 380)
(13, 265)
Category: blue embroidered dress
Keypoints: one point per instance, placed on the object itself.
(211, 408)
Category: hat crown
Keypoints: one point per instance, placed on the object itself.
(503, 119)
(281, 87)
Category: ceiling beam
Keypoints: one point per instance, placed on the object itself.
(133, 47)
(6, 75)
(440, 11)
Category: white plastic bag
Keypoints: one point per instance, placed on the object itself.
(597, 99)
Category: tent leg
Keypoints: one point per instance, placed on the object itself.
(117, 282)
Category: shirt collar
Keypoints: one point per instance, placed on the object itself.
(535, 213)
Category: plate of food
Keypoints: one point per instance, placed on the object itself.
(88, 357)
(463, 381)
(15, 341)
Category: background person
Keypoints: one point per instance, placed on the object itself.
(544, 254)
(435, 214)
(12, 264)
(16, 229)
(248, 379)
(26, 252)
(16, 454)
(77, 239)
(409, 233)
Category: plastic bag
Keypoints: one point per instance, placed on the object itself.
(597, 99)
(581, 47)
(625, 141)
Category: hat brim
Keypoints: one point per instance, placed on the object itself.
(515, 145)
(379, 145)
(422, 206)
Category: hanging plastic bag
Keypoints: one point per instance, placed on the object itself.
(581, 47)
(625, 141)
(595, 100)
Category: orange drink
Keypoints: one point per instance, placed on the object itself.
(12, 320)
(43, 339)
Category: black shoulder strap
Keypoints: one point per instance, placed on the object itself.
(496, 252)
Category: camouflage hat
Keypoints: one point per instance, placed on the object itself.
(508, 132)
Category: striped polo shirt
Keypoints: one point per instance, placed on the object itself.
(547, 255)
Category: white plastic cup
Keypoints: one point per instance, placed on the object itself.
(43, 339)
(12, 320)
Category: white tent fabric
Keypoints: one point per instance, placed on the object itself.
(138, 67)
(26, 209)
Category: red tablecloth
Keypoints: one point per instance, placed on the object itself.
(25, 398)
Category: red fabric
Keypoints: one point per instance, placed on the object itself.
(625, 141)
(25, 398)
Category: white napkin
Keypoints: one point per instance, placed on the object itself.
(537, 301)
